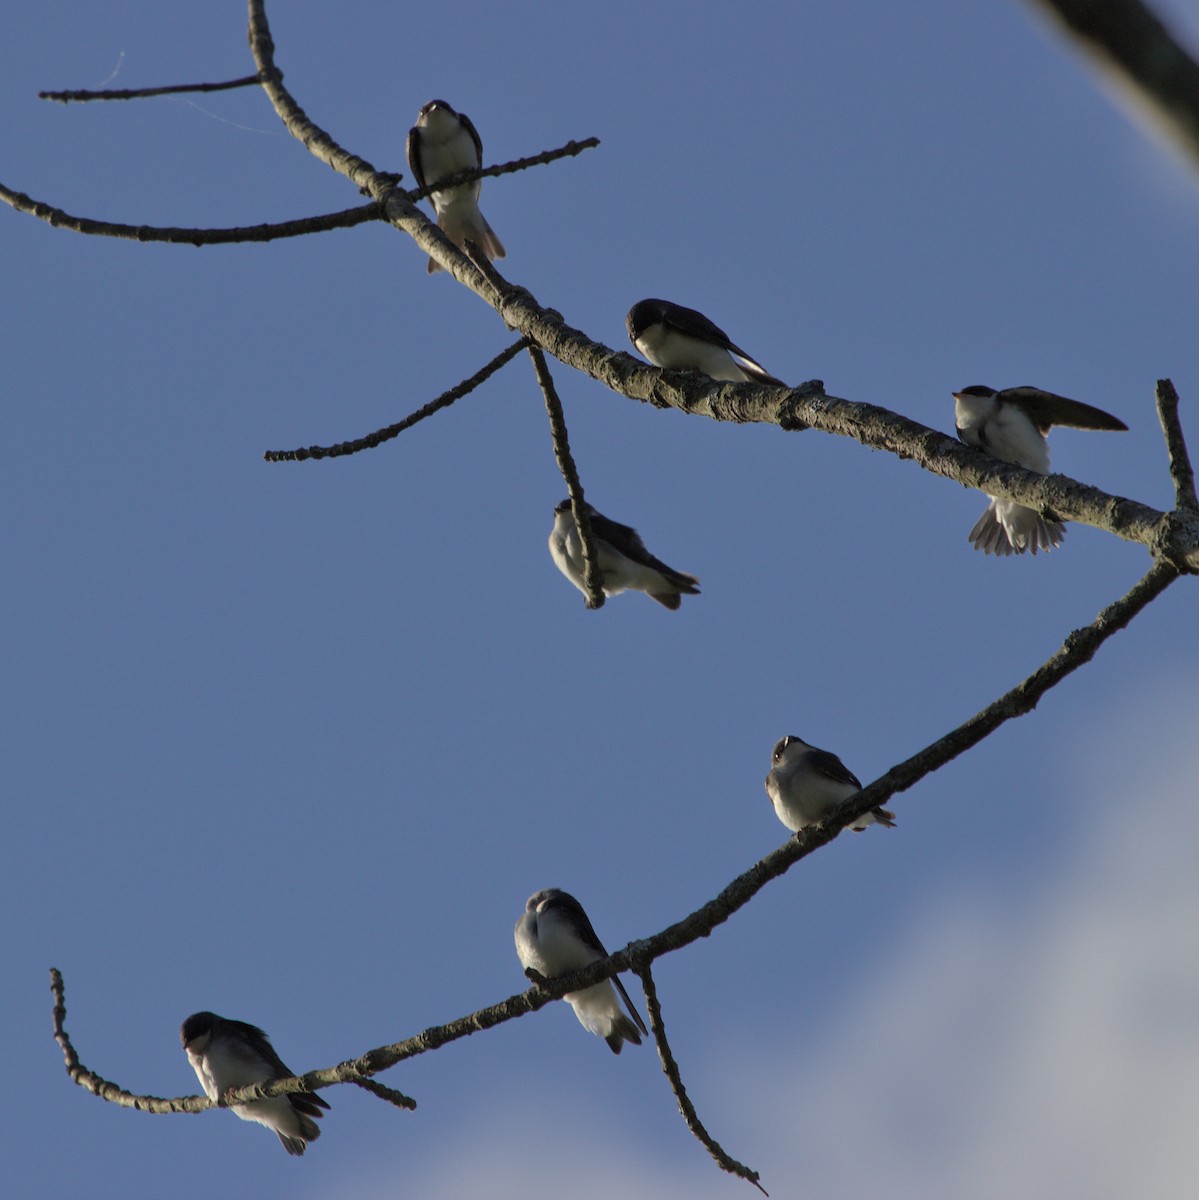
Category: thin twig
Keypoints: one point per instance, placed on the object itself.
(139, 93)
(345, 219)
(592, 579)
(385, 1093)
(1176, 447)
(570, 150)
(670, 1069)
(382, 435)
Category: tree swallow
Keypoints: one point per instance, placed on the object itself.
(1011, 425)
(682, 339)
(804, 783)
(554, 937)
(442, 143)
(230, 1054)
(625, 564)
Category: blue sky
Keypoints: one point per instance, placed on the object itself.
(295, 742)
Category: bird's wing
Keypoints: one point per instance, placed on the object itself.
(695, 324)
(628, 542)
(1047, 408)
(629, 1005)
(579, 921)
(830, 765)
(413, 150)
(620, 537)
(469, 126)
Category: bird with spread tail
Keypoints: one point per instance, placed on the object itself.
(1011, 425)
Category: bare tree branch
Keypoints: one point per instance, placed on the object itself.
(401, 211)
(879, 428)
(382, 435)
(1173, 535)
(1176, 446)
(670, 1069)
(1135, 50)
(571, 150)
(101, 1087)
(115, 1094)
(314, 139)
(566, 464)
(1173, 538)
(346, 219)
(1079, 648)
(141, 93)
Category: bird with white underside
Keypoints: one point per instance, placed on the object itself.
(804, 783)
(555, 937)
(1011, 425)
(229, 1054)
(682, 339)
(443, 143)
(624, 562)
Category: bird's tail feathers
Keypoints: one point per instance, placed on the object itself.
(492, 246)
(310, 1104)
(758, 373)
(474, 230)
(670, 600)
(683, 585)
(297, 1145)
(1017, 531)
(876, 816)
(623, 1030)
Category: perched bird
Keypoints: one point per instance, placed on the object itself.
(625, 564)
(554, 937)
(1011, 425)
(804, 783)
(682, 339)
(231, 1054)
(440, 144)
